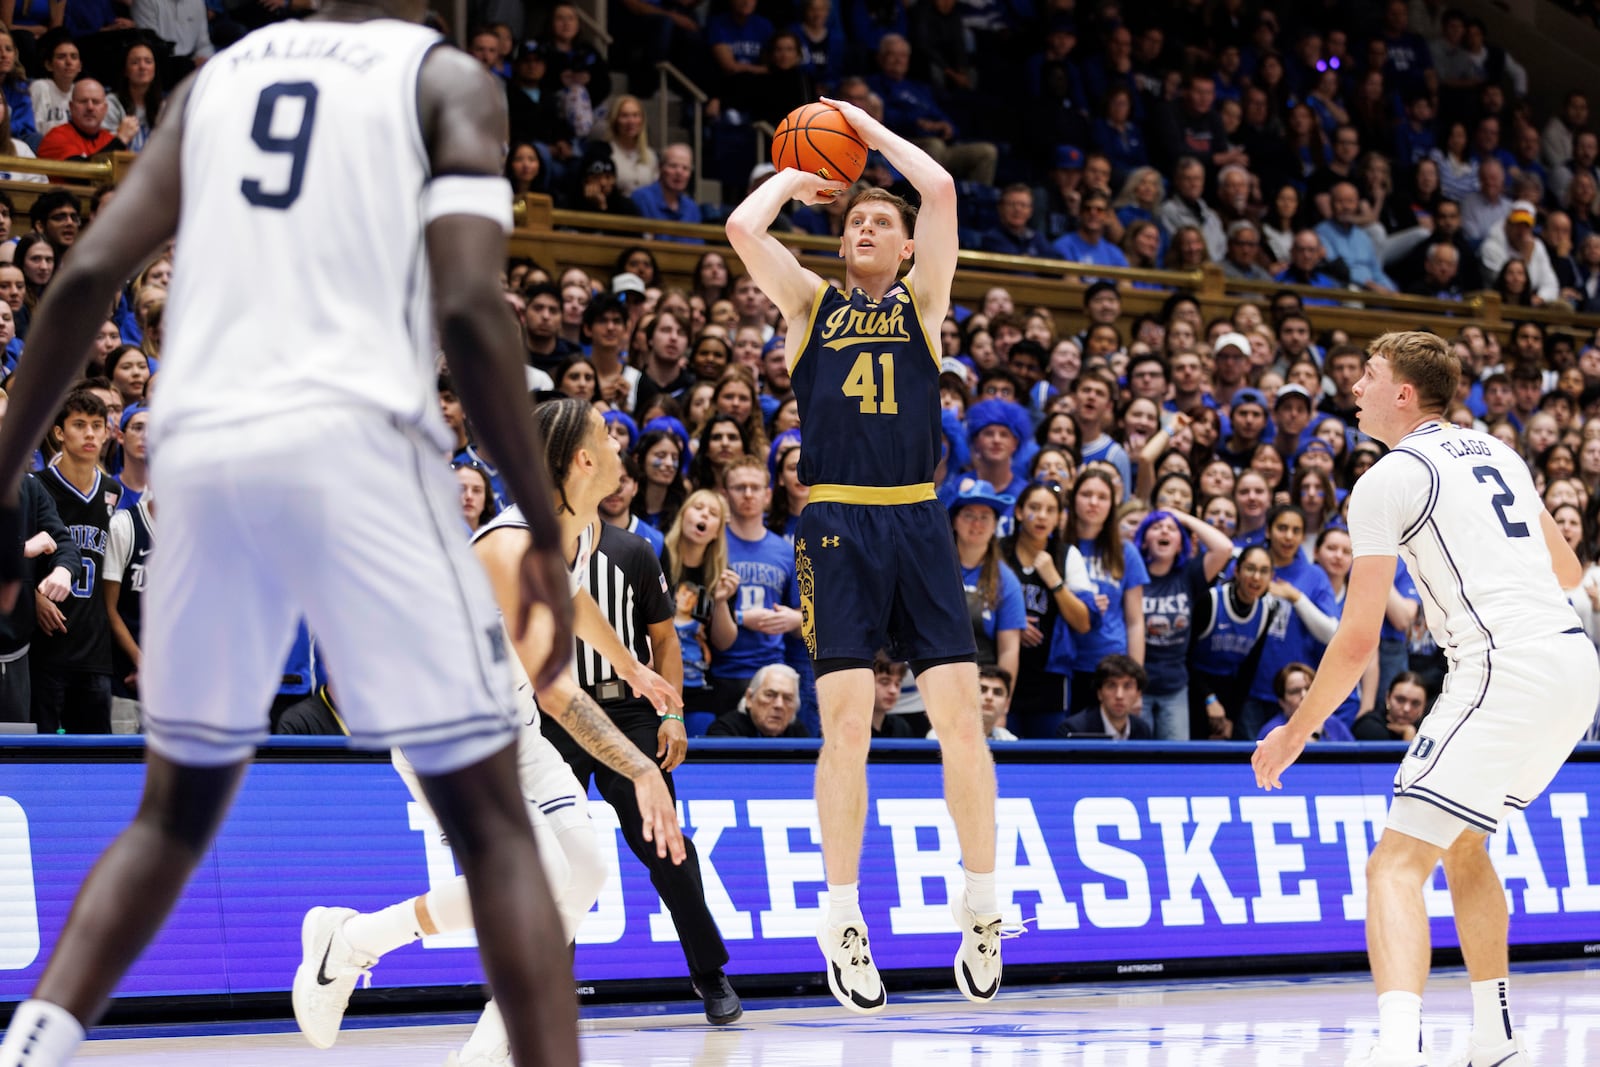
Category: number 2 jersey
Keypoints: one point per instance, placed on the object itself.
(867, 382)
(1461, 510)
(300, 274)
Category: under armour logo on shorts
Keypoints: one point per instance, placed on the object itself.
(830, 542)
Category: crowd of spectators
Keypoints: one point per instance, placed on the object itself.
(1336, 146)
(1147, 512)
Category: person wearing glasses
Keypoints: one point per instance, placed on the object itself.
(1243, 260)
(768, 602)
(770, 707)
(1088, 243)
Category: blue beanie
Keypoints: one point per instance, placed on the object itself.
(1011, 415)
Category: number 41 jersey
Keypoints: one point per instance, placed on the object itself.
(300, 277)
(867, 382)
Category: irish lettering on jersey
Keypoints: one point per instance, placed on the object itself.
(867, 381)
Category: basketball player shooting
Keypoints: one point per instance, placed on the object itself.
(317, 175)
(1521, 690)
(874, 553)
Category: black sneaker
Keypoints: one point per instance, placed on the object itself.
(722, 1003)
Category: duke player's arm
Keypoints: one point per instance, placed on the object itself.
(666, 654)
(501, 553)
(937, 239)
(595, 630)
(142, 216)
(766, 259)
(465, 128)
(1353, 646)
(1569, 570)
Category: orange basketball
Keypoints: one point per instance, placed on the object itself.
(818, 139)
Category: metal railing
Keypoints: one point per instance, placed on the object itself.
(670, 75)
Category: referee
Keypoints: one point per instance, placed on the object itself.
(625, 579)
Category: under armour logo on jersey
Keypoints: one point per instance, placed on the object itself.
(830, 542)
(1422, 749)
(497, 642)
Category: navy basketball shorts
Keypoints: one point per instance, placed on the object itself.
(881, 577)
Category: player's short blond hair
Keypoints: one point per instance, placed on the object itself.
(1424, 361)
(872, 194)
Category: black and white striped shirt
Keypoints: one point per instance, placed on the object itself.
(625, 579)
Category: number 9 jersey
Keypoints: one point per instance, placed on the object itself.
(302, 145)
(867, 382)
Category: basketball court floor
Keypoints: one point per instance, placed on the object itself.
(1277, 1022)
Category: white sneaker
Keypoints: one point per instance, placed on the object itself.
(1379, 1057)
(1510, 1054)
(327, 975)
(977, 963)
(851, 974)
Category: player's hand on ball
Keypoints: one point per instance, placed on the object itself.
(672, 744)
(1275, 754)
(812, 189)
(856, 116)
(658, 815)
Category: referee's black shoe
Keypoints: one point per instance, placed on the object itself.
(722, 1003)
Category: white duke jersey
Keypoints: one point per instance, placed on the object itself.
(300, 274)
(577, 573)
(1461, 509)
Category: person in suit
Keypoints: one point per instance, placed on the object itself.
(1119, 682)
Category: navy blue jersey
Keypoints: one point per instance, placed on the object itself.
(867, 382)
(86, 645)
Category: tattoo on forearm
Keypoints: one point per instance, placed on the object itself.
(599, 736)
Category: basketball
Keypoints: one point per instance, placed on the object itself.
(818, 139)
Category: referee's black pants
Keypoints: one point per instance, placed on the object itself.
(678, 885)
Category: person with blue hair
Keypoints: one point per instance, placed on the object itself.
(996, 430)
(620, 424)
(1183, 557)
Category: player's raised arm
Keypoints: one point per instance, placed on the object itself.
(468, 215)
(766, 259)
(937, 242)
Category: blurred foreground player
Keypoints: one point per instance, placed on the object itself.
(330, 168)
(875, 560)
(1462, 509)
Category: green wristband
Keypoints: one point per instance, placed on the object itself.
(670, 715)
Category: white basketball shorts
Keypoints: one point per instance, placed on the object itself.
(343, 517)
(1505, 723)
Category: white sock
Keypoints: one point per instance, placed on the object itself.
(980, 893)
(1399, 1022)
(381, 932)
(42, 1034)
(450, 906)
(1491, 1013)
(844, 903)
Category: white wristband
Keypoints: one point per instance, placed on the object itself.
(484, 195)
